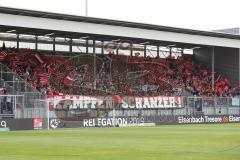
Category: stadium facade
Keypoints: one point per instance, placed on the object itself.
(68, 26)
(80, 40)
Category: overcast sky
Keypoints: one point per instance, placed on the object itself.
(193, 14)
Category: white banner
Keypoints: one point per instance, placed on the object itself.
(153, 102)
(87, 102)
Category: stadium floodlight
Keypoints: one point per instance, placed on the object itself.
(144, 43)
(26, 35)
(49, 34)
(86, 37)
(171, 45)
(195, 47)
(116, 40)
(10, 31)
(66, 39)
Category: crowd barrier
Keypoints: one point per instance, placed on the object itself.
(33, 110)
(54, 123)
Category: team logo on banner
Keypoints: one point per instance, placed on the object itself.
(37, 123)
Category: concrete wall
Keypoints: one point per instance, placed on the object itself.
(226, 61)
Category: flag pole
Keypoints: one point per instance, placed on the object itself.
(86, 8)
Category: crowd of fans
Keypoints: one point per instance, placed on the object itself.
(171, 75)
(35, 68)
(115, 74)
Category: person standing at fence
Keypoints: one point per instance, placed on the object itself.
(9, 104)
(1, 105)
(3, 100)
(117, 101)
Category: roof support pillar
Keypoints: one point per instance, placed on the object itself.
(158, 52)
(17, 41)
(54, 44)
(102, 48)
(36, 43)
(239, 68)
(117, 50)
(94, 65)
(131, 49)
(86, 46)
(213, 68)
(70, 46)
(170, 51)
(145, 51)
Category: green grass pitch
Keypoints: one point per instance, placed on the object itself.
(170, 142)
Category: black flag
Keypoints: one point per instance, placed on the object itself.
(3, 46)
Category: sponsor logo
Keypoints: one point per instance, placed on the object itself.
(225, 119)
(3, 124)
(191, 119)
(234, 118)
(213, 119)
(37, 123)
(208, 119)
(104, 122)
(54, 123)
(201, 119)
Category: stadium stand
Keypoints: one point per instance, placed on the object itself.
(116, 74)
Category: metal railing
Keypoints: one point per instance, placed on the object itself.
(13, 82)
(10, 104)
(36, 105)
(28, 105)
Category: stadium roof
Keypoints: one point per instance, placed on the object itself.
(41, 23)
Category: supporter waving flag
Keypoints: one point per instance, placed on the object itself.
(3, 54)
(40, 57)
(71, 78)
(3, 46)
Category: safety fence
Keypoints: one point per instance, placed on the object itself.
(13, 83)
(27, 105)
(213, 105)
(36, 105)
(33, 110)
(10, 104)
